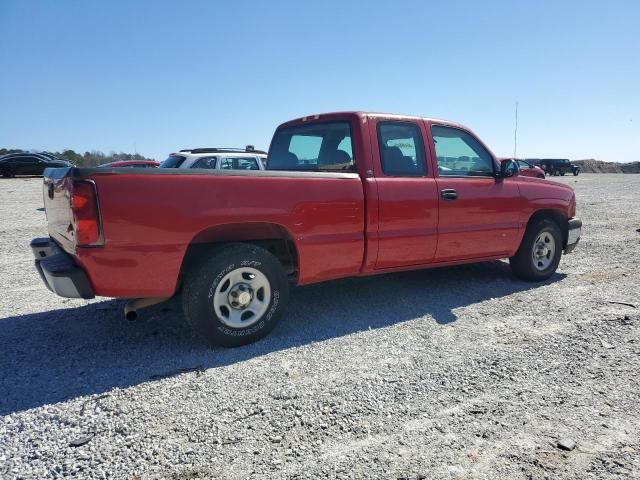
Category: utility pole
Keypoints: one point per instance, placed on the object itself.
(515, 134)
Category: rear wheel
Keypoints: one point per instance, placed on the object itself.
(236, 296)
(540, 251)
(6, 172)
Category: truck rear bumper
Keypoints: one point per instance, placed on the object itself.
(59, 271)
(574, 230)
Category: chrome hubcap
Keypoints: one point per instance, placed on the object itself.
(543, 251)
(242, 297)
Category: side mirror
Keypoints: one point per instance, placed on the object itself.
(508, 168)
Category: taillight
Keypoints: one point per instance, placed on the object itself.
(84, 205)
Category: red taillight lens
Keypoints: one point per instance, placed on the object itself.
(85, 213)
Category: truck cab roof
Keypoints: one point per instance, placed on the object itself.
(362, 114)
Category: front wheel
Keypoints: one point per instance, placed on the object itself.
(6, 173)
(236, 296)
(539, 253)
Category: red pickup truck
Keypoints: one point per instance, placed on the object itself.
(345, 194)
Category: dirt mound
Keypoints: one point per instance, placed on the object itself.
(598, 166)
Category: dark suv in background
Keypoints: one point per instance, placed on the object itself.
(555, 166)
(14, 164)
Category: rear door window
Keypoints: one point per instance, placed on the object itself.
(401, 149)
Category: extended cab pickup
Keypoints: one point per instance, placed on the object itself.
(345, 194)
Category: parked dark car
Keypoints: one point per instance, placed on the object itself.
(14, 164)
(555, 166)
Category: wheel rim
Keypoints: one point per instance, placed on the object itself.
(242, 297)
(543, 252)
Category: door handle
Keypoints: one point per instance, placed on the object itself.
(448, 194)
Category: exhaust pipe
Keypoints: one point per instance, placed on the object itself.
(132, 307)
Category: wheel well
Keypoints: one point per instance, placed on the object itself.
(272, 237)
(557, 217)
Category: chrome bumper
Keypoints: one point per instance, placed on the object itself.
(574, 230)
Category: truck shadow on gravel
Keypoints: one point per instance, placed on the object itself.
(58, 355)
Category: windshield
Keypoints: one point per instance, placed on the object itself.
(316, 147)
(173, 161)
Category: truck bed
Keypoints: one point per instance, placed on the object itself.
(149, 218)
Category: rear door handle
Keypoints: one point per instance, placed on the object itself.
(448, 194)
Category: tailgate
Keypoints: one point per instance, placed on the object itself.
(57, 189)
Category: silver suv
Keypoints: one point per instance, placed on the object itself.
(217, 158)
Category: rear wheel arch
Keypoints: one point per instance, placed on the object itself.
(273, 237)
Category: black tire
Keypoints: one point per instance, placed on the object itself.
(523, 264)
(203, 282)
(6, 173)
(576, 172)
(562, 174)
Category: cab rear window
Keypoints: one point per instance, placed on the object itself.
(314, 147)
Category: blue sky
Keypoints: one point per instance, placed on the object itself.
(164, 75)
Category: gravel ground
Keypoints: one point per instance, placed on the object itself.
(451, 373)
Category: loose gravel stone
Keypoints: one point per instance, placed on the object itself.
(79, 441)
(566, 444)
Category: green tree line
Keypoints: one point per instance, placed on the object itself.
(86, 159)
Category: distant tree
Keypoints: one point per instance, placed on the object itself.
(5, 151)
(71, 156)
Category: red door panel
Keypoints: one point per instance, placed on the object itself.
(482, 221)
(407, 222)
(407, 206)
